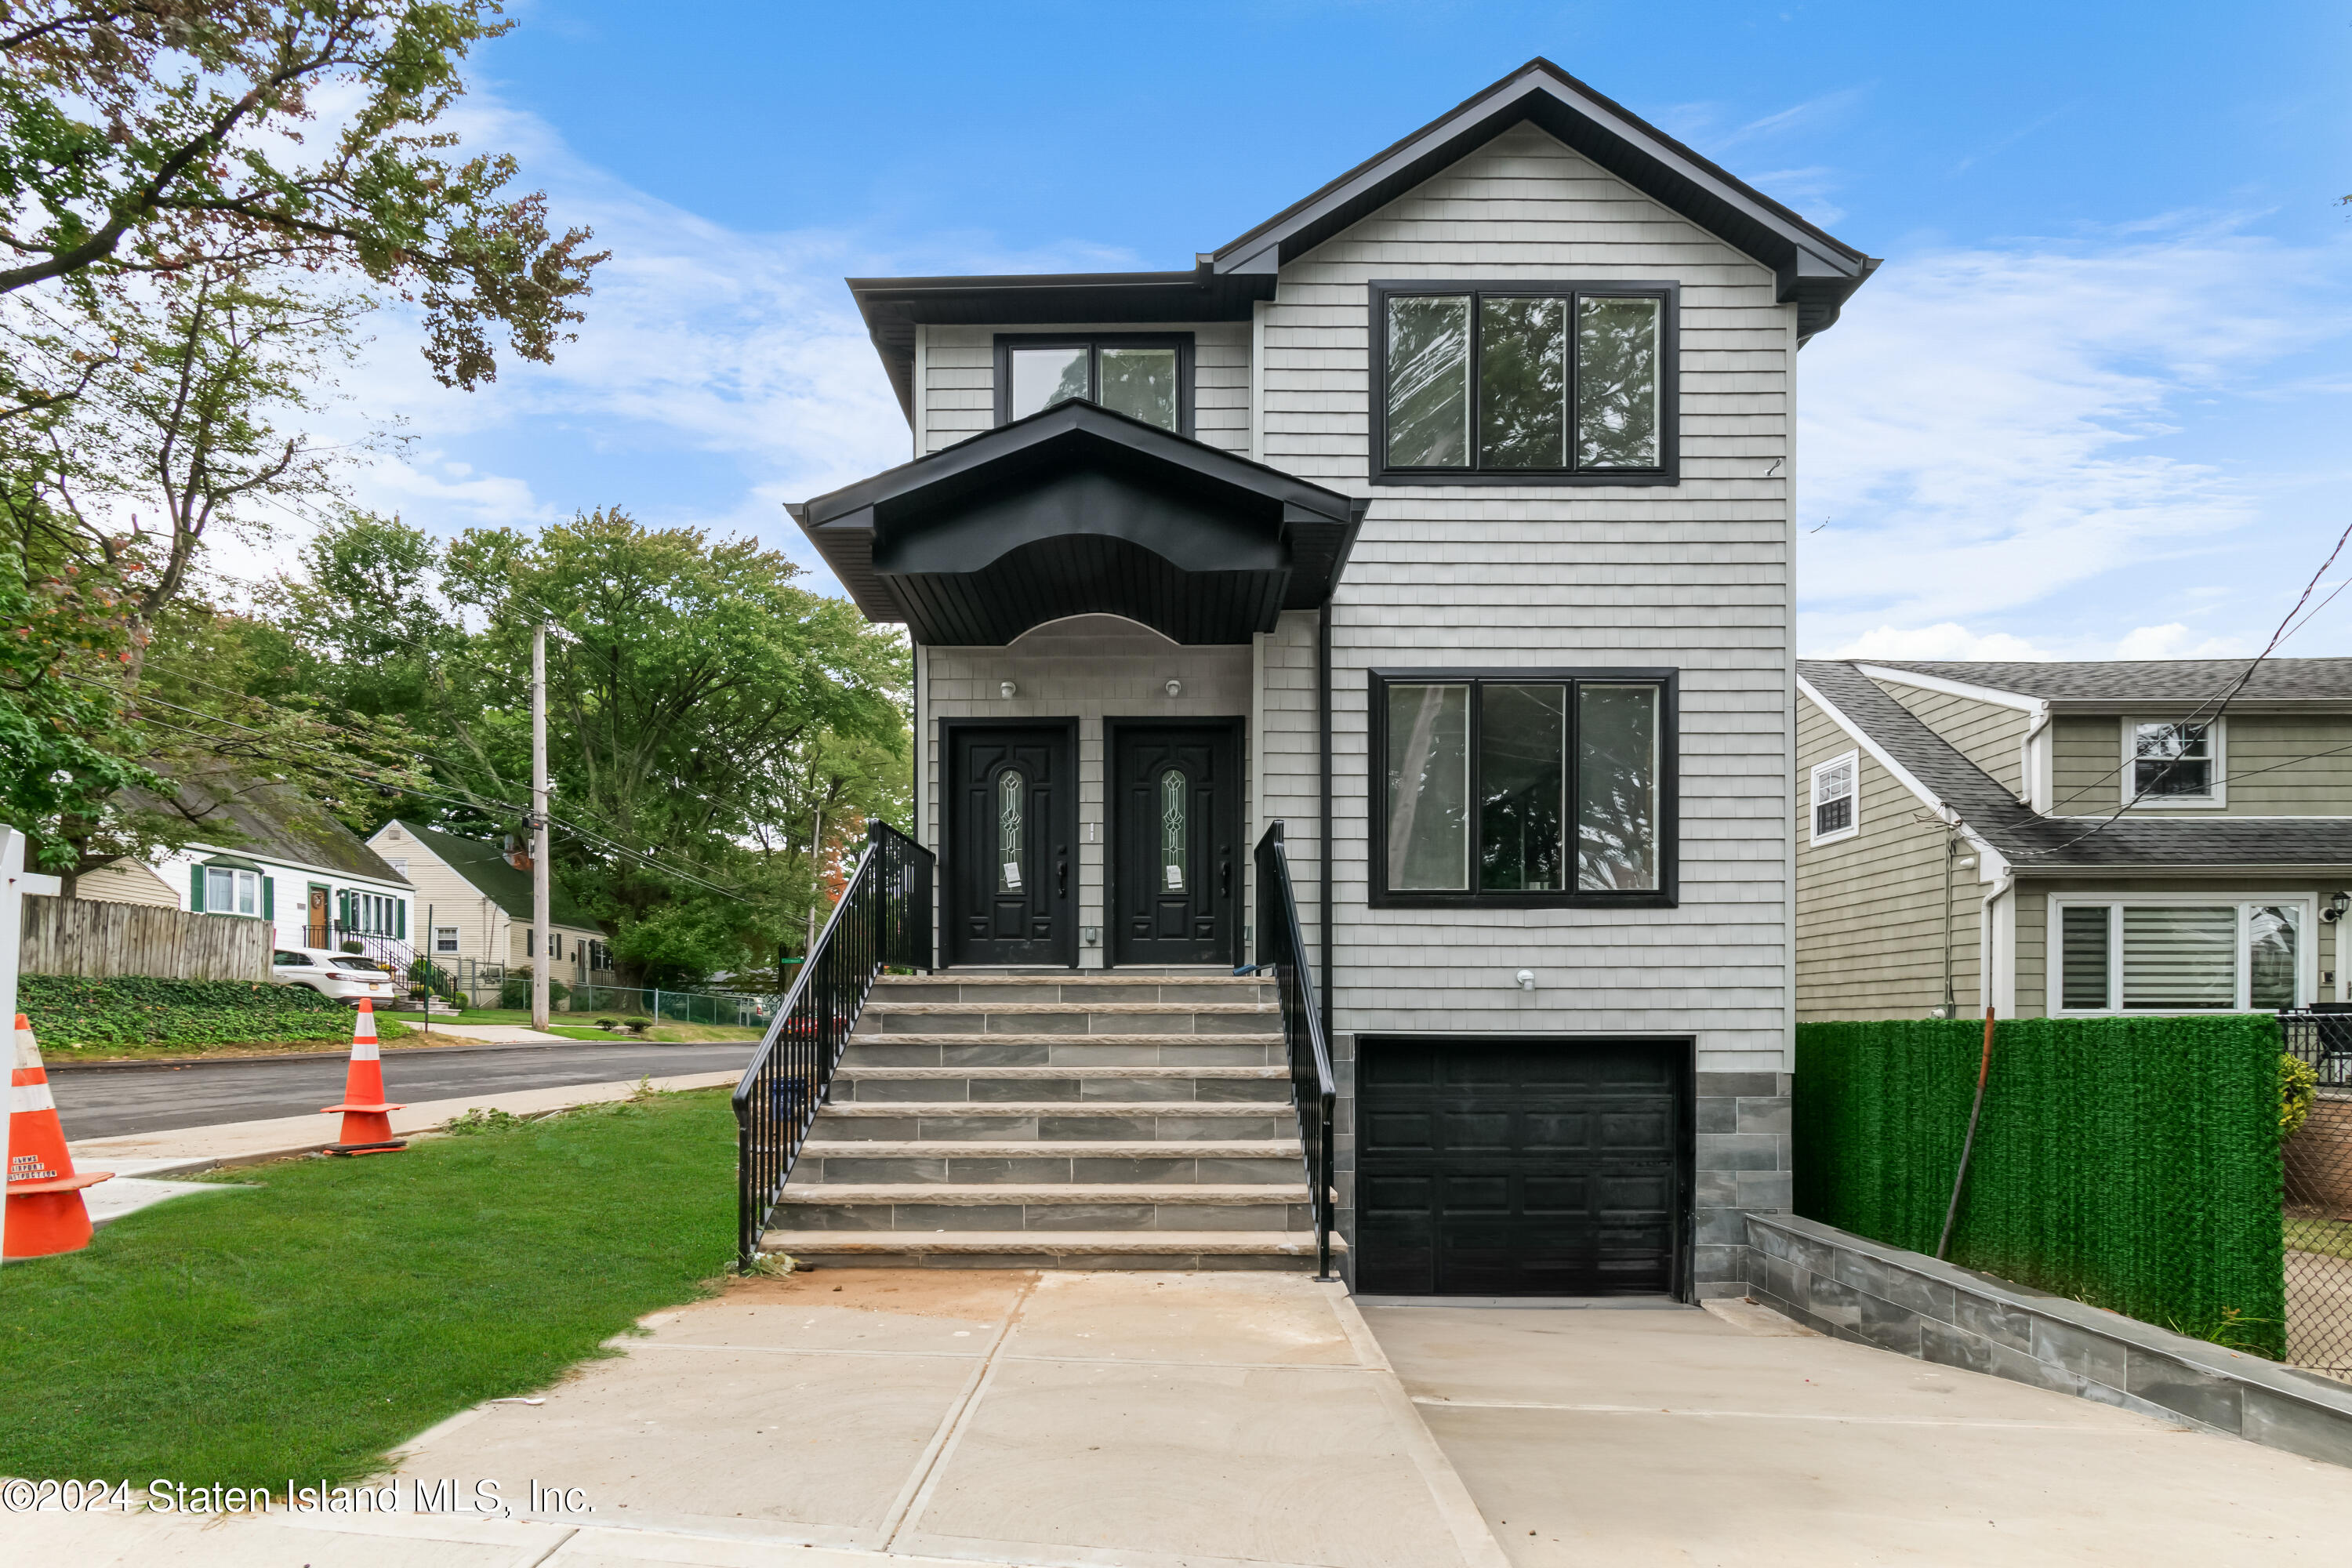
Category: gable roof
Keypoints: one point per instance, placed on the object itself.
(275, 821)
(2031, 842)
(2114, 681)
(1814, 269)
(485, 866)
(1080, 509)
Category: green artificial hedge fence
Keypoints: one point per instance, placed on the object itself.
(2132, 1164)
(68, 1010)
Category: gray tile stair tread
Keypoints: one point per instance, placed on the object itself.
(1037, 1193)
(1067, 1069)
(1007, 1037)
(1045, 1149)
(1071, 977)
(1008, 1009)
(1182, 1108)
(1047, 1243)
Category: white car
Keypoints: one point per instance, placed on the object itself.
(345, 976)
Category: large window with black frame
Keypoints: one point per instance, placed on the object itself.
(1495, 383)
(1524, 786)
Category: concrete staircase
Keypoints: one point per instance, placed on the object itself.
(1051, 1119)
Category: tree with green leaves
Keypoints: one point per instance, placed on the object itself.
(706, 714)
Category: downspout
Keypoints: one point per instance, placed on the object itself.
(1989, 938)
(1323, 727)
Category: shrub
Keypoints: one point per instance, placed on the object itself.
(514, 991)
(2298, 1085)
(68, 1010)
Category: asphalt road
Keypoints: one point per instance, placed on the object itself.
(98, 1102)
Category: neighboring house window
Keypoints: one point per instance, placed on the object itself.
(372, 914)
(555, 944)
(1834, 798)
(1512, 383)
(1146, 376)
(1524, 786)
(444, 939)
(232, 892)
(2167, 763)
(2178, 954)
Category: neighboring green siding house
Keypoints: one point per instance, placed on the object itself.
(2071, 839)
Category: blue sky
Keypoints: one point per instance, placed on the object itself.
(2093, 405)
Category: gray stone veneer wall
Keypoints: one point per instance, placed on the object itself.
(1854, 1288)
(1742, 1165)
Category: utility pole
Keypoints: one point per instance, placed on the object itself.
(539, 825)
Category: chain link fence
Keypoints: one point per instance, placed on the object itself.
(2318, 1217)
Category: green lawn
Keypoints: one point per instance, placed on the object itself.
(2331, 1236)
(304, 1329)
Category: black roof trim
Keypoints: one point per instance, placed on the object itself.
(1816, 269)
(2033, 843)
(893, 307)
(1181, 524)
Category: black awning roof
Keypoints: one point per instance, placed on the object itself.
(1079, 510)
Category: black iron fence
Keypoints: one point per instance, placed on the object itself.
(883, 922)
(2318, 1211)
(1281, 948)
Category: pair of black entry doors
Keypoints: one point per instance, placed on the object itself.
(1172, 860)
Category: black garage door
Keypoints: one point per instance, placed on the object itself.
(1526, 1168)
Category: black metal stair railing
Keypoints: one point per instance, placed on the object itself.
(883, 920)
(1283, 949)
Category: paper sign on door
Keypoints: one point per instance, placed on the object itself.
(1013, 875)
(1175, 878)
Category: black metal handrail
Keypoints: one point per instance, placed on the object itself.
(1281, 948)
(882, 920)
(2322, 1036)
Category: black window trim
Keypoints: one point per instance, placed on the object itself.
(1666, 896)
(1180, 341)
(1668, 472)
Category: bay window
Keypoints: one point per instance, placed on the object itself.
(1524, 384)
(1523, 786)
(2180, 955)
(1146, 376)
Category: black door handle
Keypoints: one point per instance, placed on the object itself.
(1062, 878)
(1225, 880)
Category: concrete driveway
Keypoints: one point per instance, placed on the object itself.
(1675, 1435)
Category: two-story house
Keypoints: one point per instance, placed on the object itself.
(474, 911)
(2072, 839)
(1444, 517)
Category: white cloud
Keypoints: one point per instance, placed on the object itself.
(1979, 430)
(2174, 640)
(1947, 640)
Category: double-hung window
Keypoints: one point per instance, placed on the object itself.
(1524, 384)
(2179, 953)
(1146, 376)
(229, 891)
(1834, 798)
(1523, 786)
(444, 939)
(2169, 762)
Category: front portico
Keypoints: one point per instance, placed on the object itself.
(1088, 596)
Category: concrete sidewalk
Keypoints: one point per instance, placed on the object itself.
(849, 1418)
(1737, 1439)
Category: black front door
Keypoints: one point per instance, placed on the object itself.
(1176, 825)
(1011, 832)
(1501, 1168)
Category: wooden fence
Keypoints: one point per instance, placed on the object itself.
(91, 937)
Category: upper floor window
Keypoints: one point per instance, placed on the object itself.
(1146, 376)
(1519, 786)
(2167, 763)
(1517, 384)
(1834, 798)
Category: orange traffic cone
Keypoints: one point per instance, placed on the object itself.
(367, 1119)
(45, 1211)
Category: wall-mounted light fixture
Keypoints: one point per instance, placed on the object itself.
(1006, 690)
(1175, 689)
(1090, 935)
(2337, 908)
(1527, 979)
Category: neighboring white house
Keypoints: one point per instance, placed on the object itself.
(274, 855)
(474, 908)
